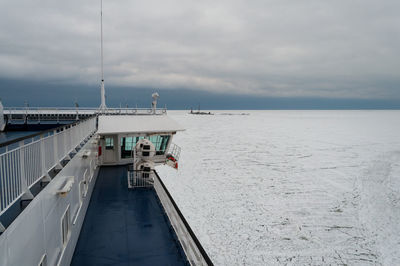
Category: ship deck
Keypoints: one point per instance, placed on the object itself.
(125, 227)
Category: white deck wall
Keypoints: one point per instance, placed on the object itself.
(37, 230)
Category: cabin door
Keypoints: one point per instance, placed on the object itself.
(110, 150)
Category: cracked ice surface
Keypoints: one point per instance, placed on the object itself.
(291, 187)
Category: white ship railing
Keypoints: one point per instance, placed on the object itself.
(140, 179)
(132, 111)
(175, 151)
(54, 111)
(24, 166)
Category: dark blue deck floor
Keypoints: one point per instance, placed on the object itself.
(125, 227)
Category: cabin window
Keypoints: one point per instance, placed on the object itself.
(127, 145)
(109, 143)
(160, 142)
(43, 261)
(65, 227)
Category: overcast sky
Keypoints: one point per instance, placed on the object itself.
(303, 48)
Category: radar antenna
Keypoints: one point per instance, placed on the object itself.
(155, 96)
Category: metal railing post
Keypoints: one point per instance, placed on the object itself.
(22, 164)
(2, 184)
(27, 193)
(55, 145)
(64, 141)
(45, 174)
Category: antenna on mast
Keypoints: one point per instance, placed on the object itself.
(102, 89)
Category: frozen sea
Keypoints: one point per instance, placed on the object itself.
(291, 187)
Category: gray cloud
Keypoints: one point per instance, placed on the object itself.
(340, 49)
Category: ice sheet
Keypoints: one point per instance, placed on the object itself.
(291, 187)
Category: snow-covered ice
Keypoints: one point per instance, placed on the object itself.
(291, 187)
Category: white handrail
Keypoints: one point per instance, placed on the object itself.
(73, 110)
(23, 167)
(175, 151)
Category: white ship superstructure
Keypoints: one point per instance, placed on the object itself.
(87, 193)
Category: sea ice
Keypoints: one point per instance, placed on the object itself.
(291, 187)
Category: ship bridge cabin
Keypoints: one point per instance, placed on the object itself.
(119, 135)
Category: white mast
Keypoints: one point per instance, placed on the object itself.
(102, 91)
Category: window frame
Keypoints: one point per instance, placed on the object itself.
(110, 145)
(160, 141)
(124, 144)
